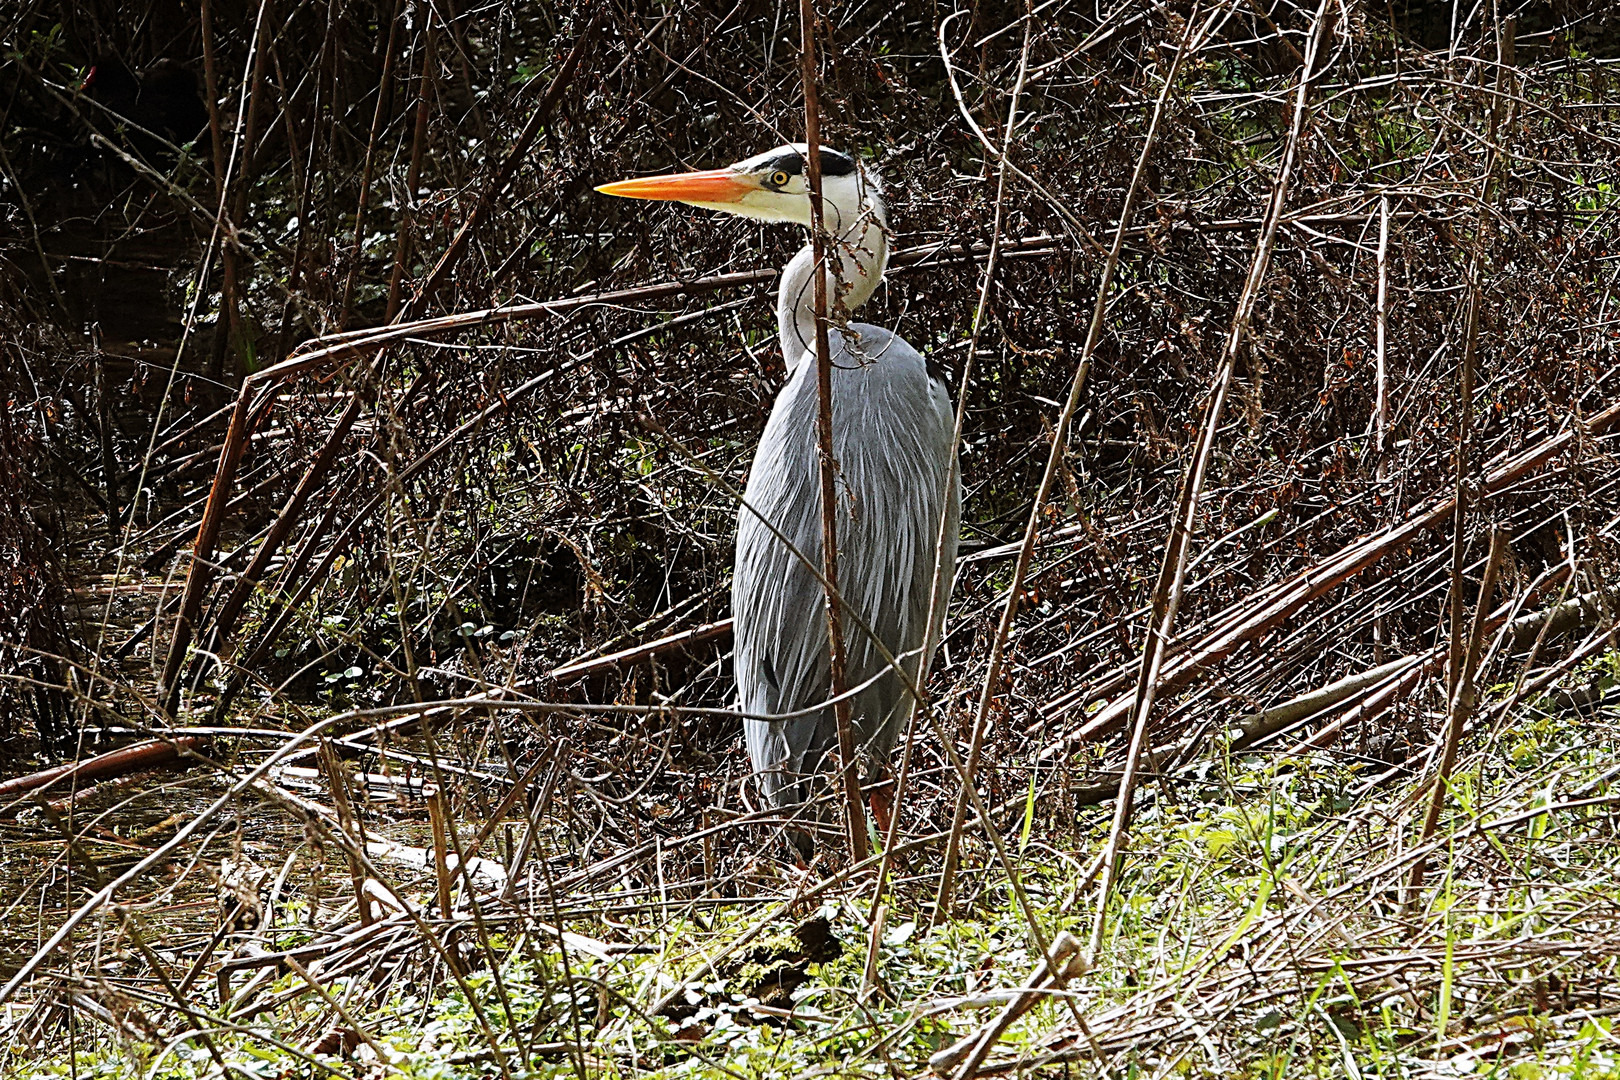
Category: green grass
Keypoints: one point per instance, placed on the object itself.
(1258, 930)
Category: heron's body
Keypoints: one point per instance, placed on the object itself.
(892, 439)
(892, 425)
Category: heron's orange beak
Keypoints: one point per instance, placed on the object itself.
(712, 186)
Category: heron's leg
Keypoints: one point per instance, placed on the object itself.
(801, 847)
(799, 807)
(876, 751)
(881, 800)
(882, 806)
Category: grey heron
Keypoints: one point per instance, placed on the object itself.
(892, 438)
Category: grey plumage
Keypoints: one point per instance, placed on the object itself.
(892, 429)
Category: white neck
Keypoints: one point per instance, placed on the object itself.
(862, 254)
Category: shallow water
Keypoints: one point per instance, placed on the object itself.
(180, 900)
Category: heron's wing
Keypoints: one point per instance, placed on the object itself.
(892, 427)
(780, 652)
(894, 454)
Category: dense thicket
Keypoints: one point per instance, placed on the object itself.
(353, 146)
(192, 196)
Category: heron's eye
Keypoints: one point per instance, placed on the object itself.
(779, 178)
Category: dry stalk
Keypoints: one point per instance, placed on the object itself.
(938, 592)
(337, 782)
(441, 864)
(848, 766)
(1462, 704)
(379, 114)
(1055, 456)
(1466, 376)
(1167, 593)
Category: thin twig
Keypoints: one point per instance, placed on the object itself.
(1055, 454)
(848, 766)
(1167, 592)
(943, 575)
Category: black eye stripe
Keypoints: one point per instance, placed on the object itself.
(833, 163)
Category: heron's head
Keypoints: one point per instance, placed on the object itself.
(771, 187)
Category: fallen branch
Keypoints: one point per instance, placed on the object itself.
(414, 785)
(144, 755)
(970, 1051)
(577, 669)
(1252, 618)
(1270, 721)
(1577, 613)
(1397, 687)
